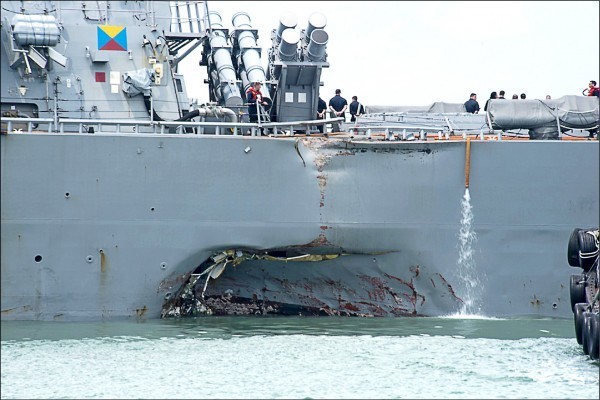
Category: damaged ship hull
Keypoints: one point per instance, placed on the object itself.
(112, 226)
(123, 197)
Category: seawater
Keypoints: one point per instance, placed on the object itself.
(297, 357)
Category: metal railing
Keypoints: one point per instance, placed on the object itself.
(406, 131)
(10, 121)
(131, 126)
(81, 126)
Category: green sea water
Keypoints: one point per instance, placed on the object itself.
(297, 357)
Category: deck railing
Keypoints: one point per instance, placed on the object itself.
(74, 125)
(394, 131)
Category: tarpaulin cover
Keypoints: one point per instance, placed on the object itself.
(573, 112)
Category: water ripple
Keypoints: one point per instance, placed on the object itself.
(231, 358)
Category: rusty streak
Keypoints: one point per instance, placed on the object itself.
(10, 310)
(413, 298)
(141, 311)
(320, 241)
(102, 261)
(450, 289)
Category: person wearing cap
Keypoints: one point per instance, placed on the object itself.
(253, 97)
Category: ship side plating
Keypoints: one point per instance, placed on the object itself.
(122, 198)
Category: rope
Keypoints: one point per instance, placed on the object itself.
(592, 253)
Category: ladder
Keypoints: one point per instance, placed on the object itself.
(188, 24)
(263, 115)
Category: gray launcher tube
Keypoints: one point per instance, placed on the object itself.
(317, 45)
(287, 20)
(315, 21)
(288, 47)
(250, 54)
(222, 58)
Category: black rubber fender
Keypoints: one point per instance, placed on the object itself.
(586, 244)
(578, 320)
(577, 290)
(573, 248)
(586, 332)
(594, 336)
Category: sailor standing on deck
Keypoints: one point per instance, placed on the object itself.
(321, 108)
(254, 97)
(356, 109)
(338, 106)
(471, 105)
(493, 96)
(592, 89)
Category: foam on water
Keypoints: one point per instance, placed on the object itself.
(463, 315)
(242, 364)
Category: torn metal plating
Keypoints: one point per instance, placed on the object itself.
(186, 303)
(275, 282)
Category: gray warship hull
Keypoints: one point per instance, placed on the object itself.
(106, 226)
(121, 198)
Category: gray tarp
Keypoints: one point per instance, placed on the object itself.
(541, 117)
(437, 107)
(573, 112)
(545, 119)
(136, 82)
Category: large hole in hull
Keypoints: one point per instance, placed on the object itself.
(284, 282)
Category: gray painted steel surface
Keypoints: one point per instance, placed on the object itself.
(118, 220)
(109, 225)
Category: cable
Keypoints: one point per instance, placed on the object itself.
(29, 13)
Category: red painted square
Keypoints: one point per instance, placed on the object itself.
(100, 76)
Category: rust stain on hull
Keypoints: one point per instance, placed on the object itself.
(141, 311)
(103, 262)
(413, 298)
(319, 242)
(16, 309)
(535, 301)
(448, 286)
